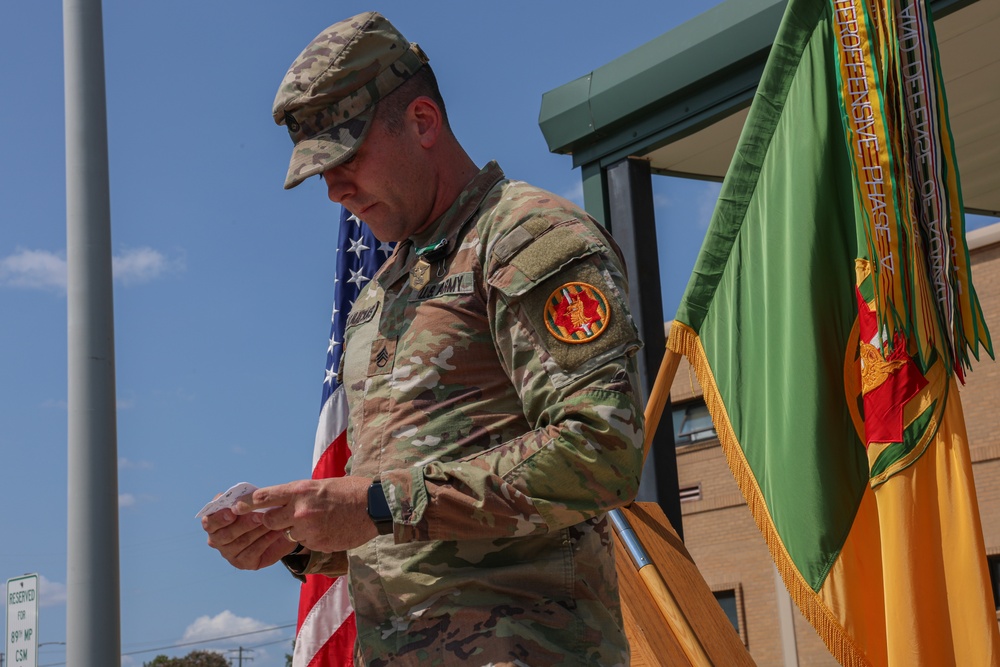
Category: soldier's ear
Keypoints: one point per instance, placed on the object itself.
(426, 119)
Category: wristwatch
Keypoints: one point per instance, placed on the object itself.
(296, 562)
(378, 509)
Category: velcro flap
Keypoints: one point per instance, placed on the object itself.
(535, 259)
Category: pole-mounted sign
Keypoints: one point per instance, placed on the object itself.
(22, 621)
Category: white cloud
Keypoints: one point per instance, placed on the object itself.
(41, 269)
(225, 625)
(140, 265)
(126, 464)
(50, 593)
(37, 269)
(125, 500)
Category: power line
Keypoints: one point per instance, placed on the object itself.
(200, 641)
(131, 645)
(272, 643)
(214, 639)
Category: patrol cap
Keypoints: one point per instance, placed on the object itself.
(327, 98)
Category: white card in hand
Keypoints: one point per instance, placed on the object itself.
(227, 499)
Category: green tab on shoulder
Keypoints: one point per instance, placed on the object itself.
(511, 244)
(538, 249)
(561, 244)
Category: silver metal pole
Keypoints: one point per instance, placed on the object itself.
(93, 635)
(631, 541)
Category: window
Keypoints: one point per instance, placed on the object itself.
(692, 423)
(727, 600)
(730, 598)
(993, 563)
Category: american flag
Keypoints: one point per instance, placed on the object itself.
(325, 634)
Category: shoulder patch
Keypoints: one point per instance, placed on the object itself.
(577, 313)
(549, 313)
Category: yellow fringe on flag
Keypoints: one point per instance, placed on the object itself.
(684, 340)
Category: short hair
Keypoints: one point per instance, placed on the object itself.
(391, 108)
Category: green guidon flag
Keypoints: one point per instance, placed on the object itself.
(828, 316)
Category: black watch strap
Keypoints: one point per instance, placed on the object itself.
(378, 509)
(296, 563)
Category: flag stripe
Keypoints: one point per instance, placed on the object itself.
(326, 629)
(330, 454)
(327, 634)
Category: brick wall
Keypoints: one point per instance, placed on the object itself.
(981, 393)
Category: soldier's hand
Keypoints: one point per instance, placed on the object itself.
(243, 541)
(325, 515)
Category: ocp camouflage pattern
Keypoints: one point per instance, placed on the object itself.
(500, 447)
(327, 96)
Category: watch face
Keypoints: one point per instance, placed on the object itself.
(378, 508)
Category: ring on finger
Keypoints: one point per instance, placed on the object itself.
(288, 534)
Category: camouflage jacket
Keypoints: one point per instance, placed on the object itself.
(490, 375)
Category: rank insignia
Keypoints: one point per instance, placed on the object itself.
(577, 313)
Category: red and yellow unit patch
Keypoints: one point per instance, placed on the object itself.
(577, 313)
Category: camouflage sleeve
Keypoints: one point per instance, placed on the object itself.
(316, 562)
(558, 303)
(331, 564)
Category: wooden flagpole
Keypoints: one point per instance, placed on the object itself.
(658, 589)
(658, 396)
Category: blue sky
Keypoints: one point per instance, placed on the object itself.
(223, 279)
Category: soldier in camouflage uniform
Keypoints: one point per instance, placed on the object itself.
(490, 374)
